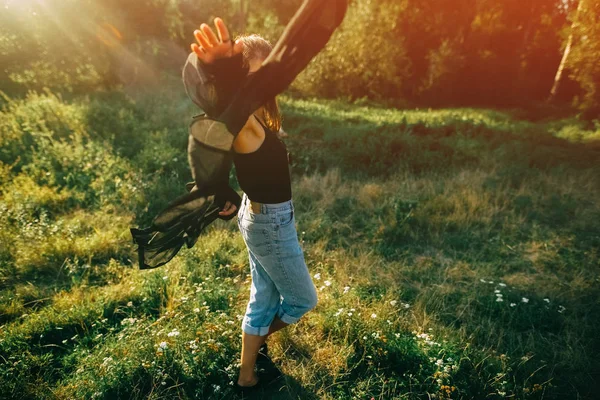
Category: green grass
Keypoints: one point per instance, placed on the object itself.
(455, 253)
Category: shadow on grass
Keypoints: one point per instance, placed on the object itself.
(282, 388)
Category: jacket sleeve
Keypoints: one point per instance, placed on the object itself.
(210, 169)
(211, 87)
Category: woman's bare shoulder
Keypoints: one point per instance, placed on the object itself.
(250, 138)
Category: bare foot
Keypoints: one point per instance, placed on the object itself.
(248, 382)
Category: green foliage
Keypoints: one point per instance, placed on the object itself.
(440, 243)
(82, 45)
(345, 67)
(584, 66)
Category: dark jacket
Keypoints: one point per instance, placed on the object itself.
(228, 97)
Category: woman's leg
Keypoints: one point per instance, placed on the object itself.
(258, 320)
(278, 270)
(250, 346)
(276, 325)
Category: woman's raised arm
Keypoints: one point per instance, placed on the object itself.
(215, 69)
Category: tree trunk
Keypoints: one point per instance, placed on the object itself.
(565, 57)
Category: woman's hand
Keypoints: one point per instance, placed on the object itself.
(228, 209)
(212, 47)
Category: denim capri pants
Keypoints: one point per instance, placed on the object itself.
(281, 284)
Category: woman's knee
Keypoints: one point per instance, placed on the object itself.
(291, 312)
(309, 301)
(312, 299)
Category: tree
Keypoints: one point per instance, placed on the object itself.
(566, 53)
(584, 64)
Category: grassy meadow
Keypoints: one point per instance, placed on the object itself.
(456, 254)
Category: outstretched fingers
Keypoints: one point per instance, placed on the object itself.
(202, 39)
(200, 49)
(210, 35)
(222, 30)
(210, 46)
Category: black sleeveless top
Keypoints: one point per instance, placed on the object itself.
(264, 174)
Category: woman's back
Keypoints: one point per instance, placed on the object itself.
(264, 173)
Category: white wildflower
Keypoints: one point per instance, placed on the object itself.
(317, 276)
(327, 283)
(513, 304)
(346, 289)
(393, 302)
(373, 315)
(129, 321)
(525, 300)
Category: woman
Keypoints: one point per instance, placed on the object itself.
(228, 98)
(282, 290)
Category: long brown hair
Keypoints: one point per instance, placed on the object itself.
(255, 46)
